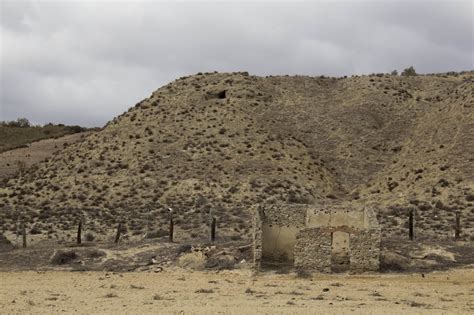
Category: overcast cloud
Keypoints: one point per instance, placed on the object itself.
(86, 62)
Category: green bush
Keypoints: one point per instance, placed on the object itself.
(409, 71)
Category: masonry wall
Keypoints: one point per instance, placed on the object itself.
(365, 250)
(279, 224)
(284, 215)
(313, 249)
(302, 236)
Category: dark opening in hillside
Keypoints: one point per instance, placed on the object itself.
(221, 94)
(216, 95)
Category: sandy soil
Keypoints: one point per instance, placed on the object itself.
(235, 292)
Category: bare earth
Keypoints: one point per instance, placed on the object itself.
(235, 292)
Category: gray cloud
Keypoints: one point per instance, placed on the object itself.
(85, 62)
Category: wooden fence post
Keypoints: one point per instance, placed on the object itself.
(213, 229)
(79, 232)
(119, 230)
(457, 229)
(411, 224)
(18, 231)
(171, 228)
(23, 233)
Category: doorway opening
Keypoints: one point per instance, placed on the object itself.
(340, 254)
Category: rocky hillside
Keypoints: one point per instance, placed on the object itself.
(225, 141)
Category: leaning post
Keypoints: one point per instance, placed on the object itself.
(119, 230)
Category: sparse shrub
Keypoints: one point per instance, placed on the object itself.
(220, 263)
(249, 291)
(63, 257)
(35, 230)
(303, 274)
(157, 234)
(5, 244)
(204, 291)
(95, 253)
(236, 237)
(186, 248)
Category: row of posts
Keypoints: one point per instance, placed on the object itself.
(213, 222)
(212, 234)
(411, 225)
(212, 230)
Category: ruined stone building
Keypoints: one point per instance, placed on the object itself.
(325, 238)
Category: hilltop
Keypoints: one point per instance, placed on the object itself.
(225, 141)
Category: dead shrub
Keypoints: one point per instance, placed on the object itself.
(204, 291)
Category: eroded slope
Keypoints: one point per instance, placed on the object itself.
(225, 141)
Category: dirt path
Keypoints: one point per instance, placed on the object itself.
(235, 292)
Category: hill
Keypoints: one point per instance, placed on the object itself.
(225, 141)
(18, 134)
(15, 161)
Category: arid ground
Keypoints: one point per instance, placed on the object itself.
(222, 143)
(236, 292)
(156, 276)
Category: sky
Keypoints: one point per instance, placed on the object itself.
(85, 62)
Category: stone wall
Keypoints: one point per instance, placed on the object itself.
(279, 224)
(284, 214)
(300, 235)
(313, 249)
(365, 250)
